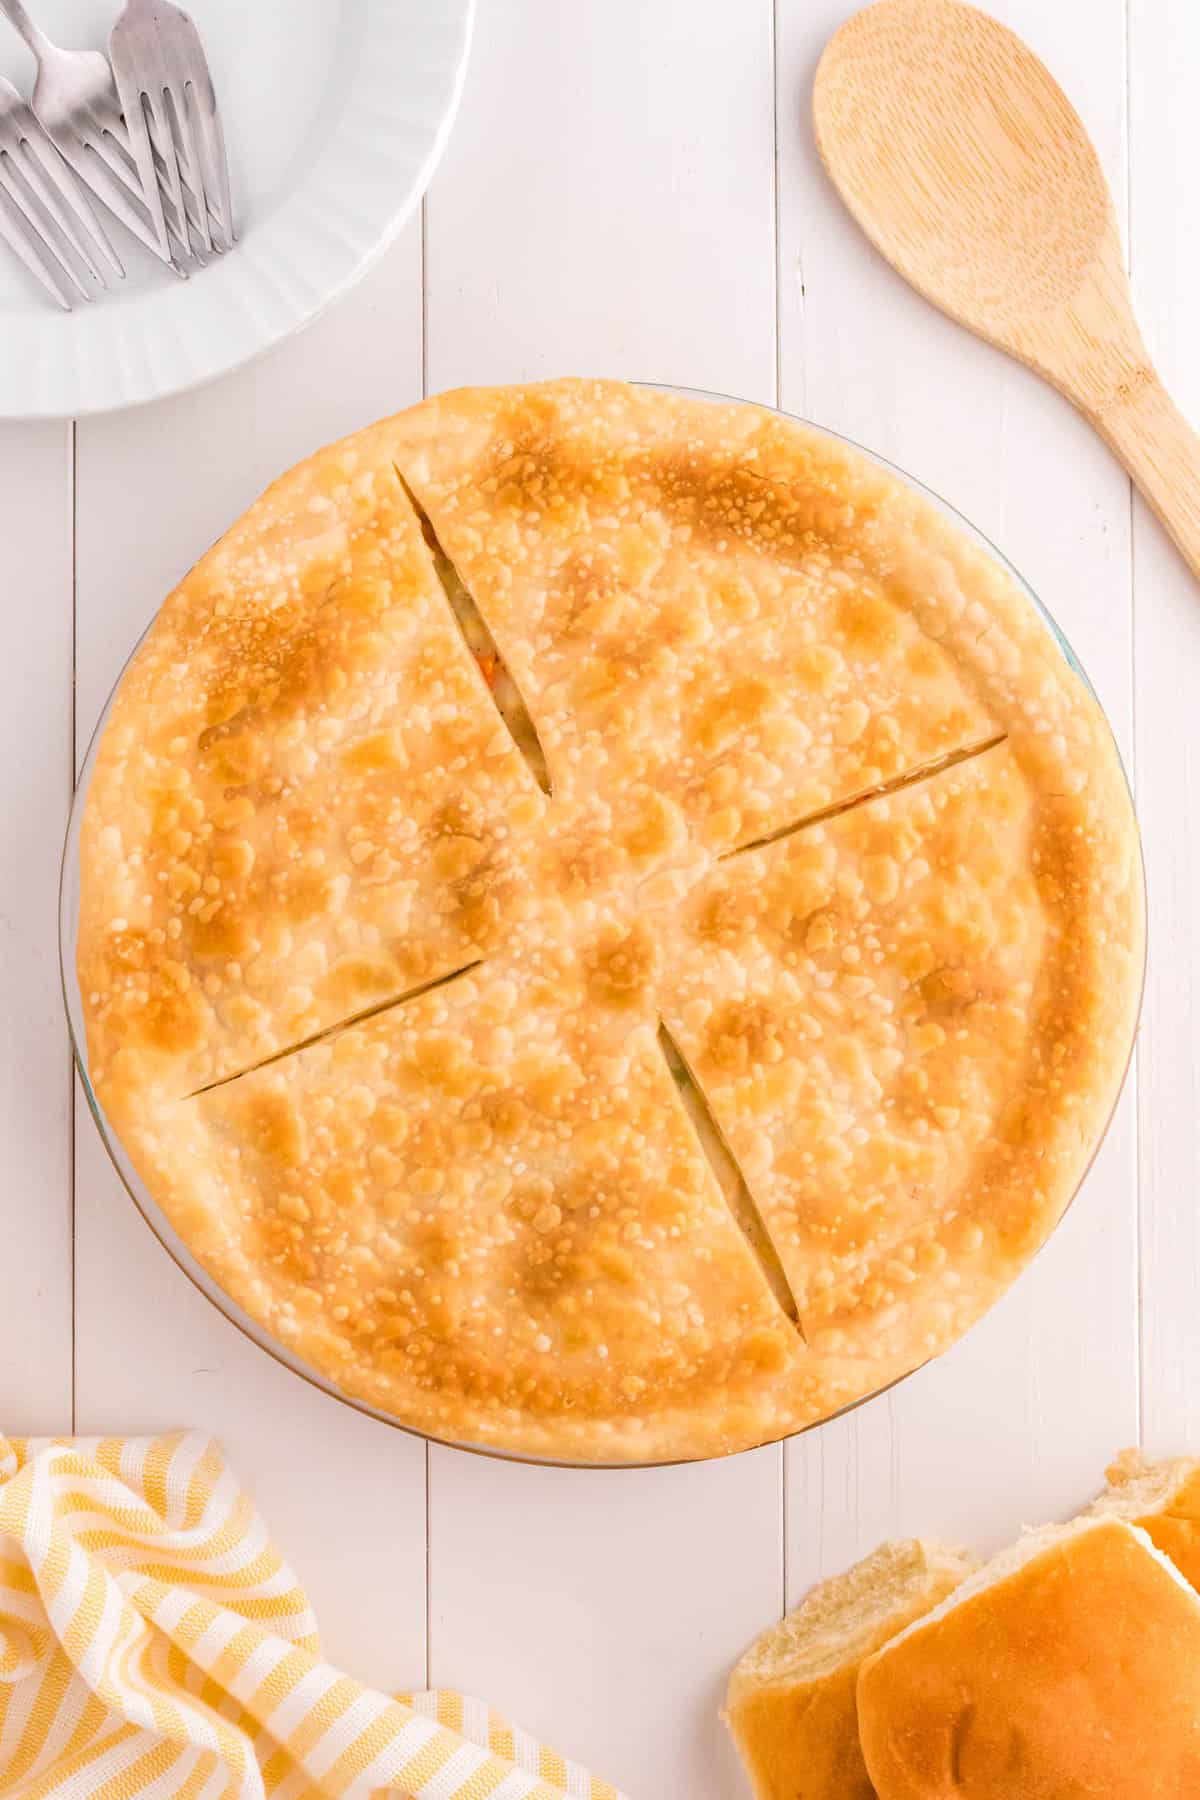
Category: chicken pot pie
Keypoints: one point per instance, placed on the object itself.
(609, 928)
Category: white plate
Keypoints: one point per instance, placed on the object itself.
(335, 111)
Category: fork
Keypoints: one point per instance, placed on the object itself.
(174, 126)
(38, 191)
(75, 98)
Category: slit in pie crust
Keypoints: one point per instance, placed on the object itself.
(776, 799)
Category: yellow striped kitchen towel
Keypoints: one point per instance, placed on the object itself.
(154, 1645)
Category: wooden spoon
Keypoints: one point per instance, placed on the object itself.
(967, 166)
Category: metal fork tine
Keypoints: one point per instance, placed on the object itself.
(17, 235)
(103, 160)
(214, 161)
(182, 231)
(189, 161)
(193, 204)
(143, 156)
(108, 137)
(162, 139)
(32, 246)
(109, 127)
(40, 198)
(173, 225)
(58, 191)
(112, 177)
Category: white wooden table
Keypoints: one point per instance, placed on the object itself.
(632, 190)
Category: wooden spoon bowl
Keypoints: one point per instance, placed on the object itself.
(968, 168)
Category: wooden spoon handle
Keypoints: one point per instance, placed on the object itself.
(1152, 438)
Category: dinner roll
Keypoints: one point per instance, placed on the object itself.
(1067, 1669)
(1164, 1499)
(791, 1704)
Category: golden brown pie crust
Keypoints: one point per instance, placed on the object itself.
(488, 1209)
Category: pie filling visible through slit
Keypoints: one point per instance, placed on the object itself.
(666, 1040)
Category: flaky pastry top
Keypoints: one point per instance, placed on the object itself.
(669, 1090)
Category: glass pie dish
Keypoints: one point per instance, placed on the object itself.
(182, 1254)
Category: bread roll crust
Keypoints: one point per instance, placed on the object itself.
(1163, 1498)
(1068, 1669)
(791, 1701)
